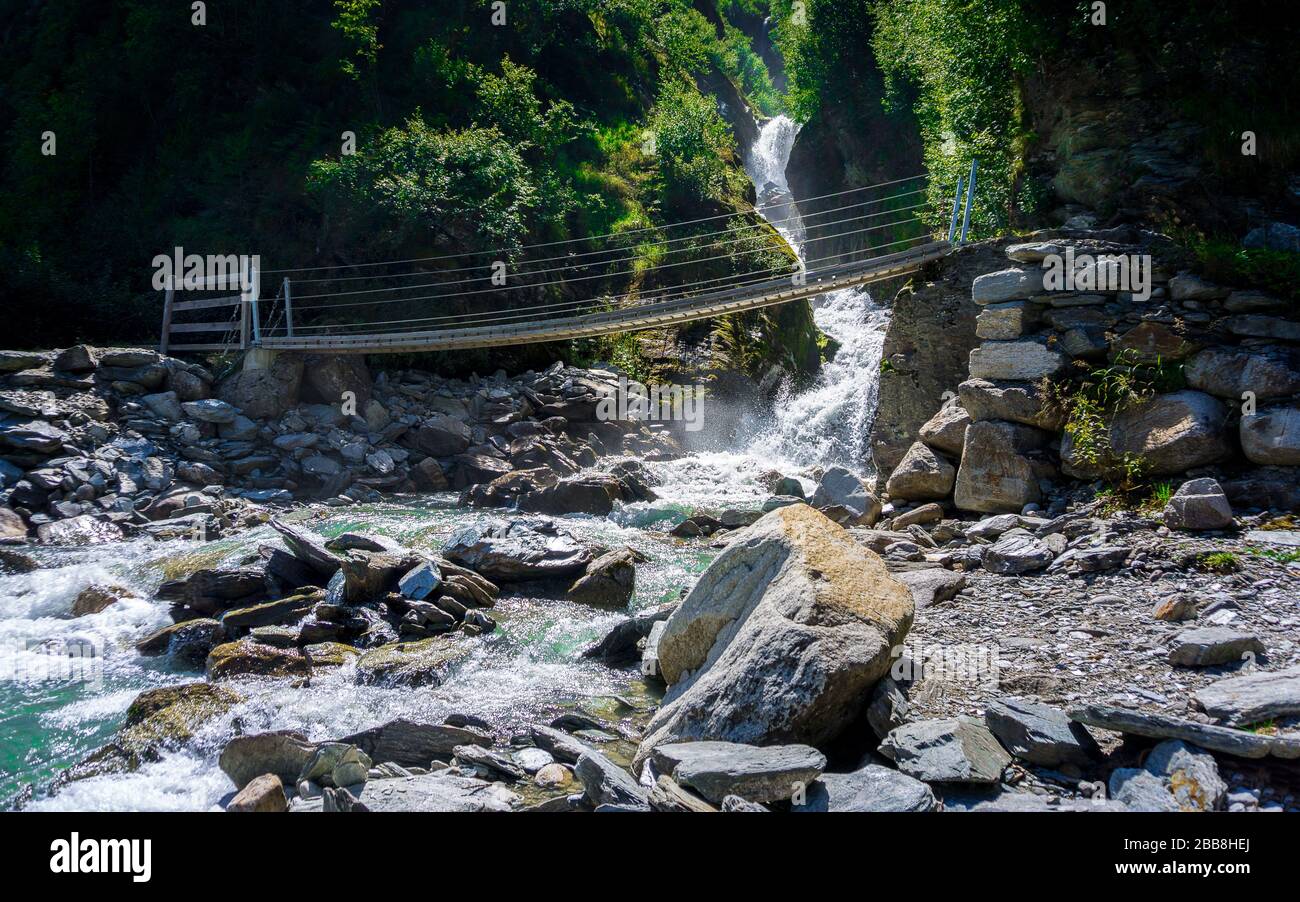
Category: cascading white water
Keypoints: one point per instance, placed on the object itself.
(829, 422)
(826, 423)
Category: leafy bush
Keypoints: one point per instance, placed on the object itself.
(693, 146)
(470, 188)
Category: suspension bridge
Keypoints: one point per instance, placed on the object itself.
(316, 309)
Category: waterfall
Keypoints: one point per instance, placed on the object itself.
(830, 421)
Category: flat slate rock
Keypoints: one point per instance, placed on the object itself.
(1225, 740)
(429, 792)
(719, 769)
(308, 548)
(1039, 734)
(872, 788)
(1252, 699)
(948, 750)
(412, 744)
(1287, 538)
(1212, 645)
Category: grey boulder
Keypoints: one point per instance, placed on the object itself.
(718, 769)
(949, 750)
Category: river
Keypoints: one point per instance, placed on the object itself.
(527, 670)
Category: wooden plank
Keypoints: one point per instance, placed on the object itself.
(206, 347)
(226, 326)
(208, 303)
(168, 301)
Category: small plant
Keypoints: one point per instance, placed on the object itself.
(1277, 554)
(1091, 404)
(1263, 728)
(1161, 492)
(1218, 562)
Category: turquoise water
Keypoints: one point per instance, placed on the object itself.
(528, 670)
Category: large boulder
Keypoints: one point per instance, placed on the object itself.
(609, 581)
(845, 491)
(442, 436)
(1016, 402)
(1198, 504)
(1007, 285)
(249, 658)
(950, 750)
(266, 793)
(996, 475)
(871, 788)
(605, 783)
(519, 550)
(327, 376)
(1016, 551)
(1005, 321)
(436, 792)
(264, 391)
(1170, 433)
(1254, 698)
(411, 744)
(1210, 646)
(1165, 434)
(1271, 436)
(283, 753)
(781, 637)
(1267, 371)
(1174, 777)
(425, 663)
(580, 495)
(920, 475)
(1040, 734)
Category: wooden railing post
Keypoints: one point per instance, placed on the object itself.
(167, 315)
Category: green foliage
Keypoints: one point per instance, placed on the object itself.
(734, 56)
(966, 60)
(468, 186)
(469, 137)
(357, 23)
(1228, 263)
(1279, 555)
(1091, 403)
(693, 146)
(1218, 562)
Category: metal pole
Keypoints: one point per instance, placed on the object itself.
(970, 195)
(956, 206)
(288, 308)
(257, 325)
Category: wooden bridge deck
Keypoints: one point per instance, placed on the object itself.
(626, 319)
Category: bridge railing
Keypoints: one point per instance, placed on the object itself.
(238, 331)
(347, 305)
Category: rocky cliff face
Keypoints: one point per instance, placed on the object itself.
(931, 334)
(845, 146)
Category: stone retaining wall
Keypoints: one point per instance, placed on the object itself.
(989, 432)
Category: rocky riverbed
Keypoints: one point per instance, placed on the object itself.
(304, 586)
